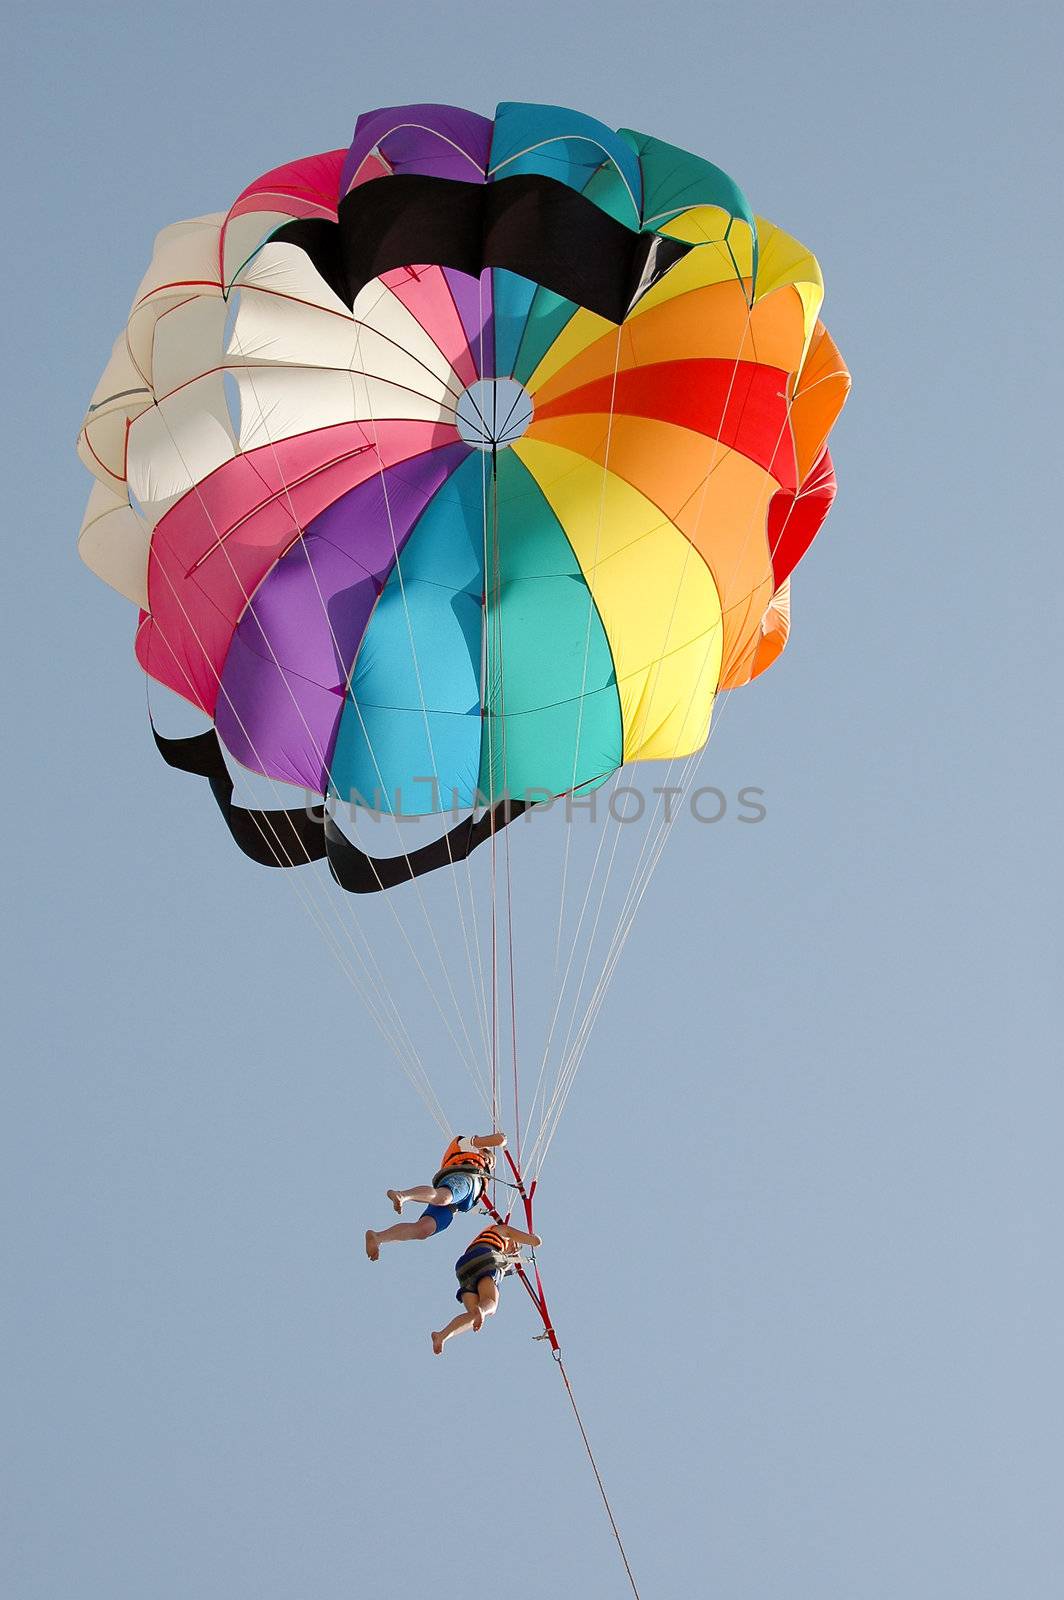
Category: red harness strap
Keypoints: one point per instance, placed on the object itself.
(536, 1295)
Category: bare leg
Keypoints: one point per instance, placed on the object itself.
(487, 1300)
(423, 1195)
(469, 1318)
(423, 1228)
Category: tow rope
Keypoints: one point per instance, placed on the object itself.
(539, 1300)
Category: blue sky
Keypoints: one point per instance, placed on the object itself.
(801, 1218)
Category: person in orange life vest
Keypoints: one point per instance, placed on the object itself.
(493, 1253)
(467, 1164)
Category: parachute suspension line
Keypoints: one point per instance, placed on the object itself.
(645, 712)
(500, 656)
(426, 1091)
(587, 634)
(653, 845)
(361, 371)
(537, 1295)
(694, 759)
(636, 894)
(513, 1001)
(300, 539)
(553, 1101)
(573, 1052)
(634, 898)
(645, 709)
(485, 981)
(495, 654)
(563, 1076)
(490, 654)
(573, 1055)
(220, 543)
(561, 989)
(359, 324)
(494, 993)
(656, 842)
(575, 940)
(637, 891)
(487, 726)
(570, 1065)
(471, 1058)
(494, 690)
(394, 1033)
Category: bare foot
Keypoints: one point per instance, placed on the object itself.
(373, 1248)
(478, 1321)
(437, 1344)
(397, 1201)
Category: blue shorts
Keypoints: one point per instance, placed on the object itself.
(466, 1190)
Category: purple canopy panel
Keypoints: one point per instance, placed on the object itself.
(440, 141)
(286, 672)
(473, 299)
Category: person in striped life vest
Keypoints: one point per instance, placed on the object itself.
(493, 1253)
(467, 1164)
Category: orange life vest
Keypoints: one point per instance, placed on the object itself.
(492, 1239)
(456, 1159)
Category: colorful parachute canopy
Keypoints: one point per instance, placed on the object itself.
(470, 462)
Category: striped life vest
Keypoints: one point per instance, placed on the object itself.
(492, 1239)
(491, 1254)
